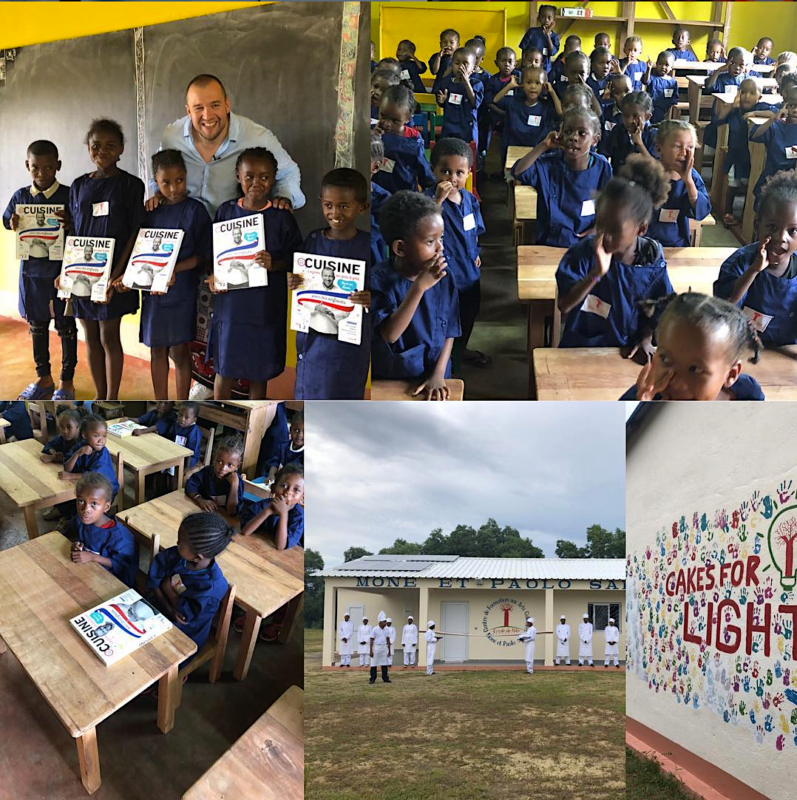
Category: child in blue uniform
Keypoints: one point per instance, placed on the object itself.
(577, 71)
(108, 202)
(187, 584)
(701, 341)
(556, 74)
(631, 65)
(681, 49)
(218, 487)
(184, 431)
(16, 413)
(281, 515)
(600, 66)
(543, 36)
(567, 176)
(619, 86)
(90, 453)
(159, 420)
(761, 278)
(37, 295)
(378, 197)
(168, 321)
(98, 538)
(779, 134)
(404, 165)
(68, 431)
(730, 75)
(661, 85)
(381, 81)
(463, 224)
(602, 278)
(460, 95)
(248, 327)
(449, 42)
(415, 306)
(634, 134)
(326, 368)
(676, 141)
(290, 452)
(411, 67)
(761, 53)
(715, 51)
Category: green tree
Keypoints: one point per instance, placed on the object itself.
(313, 589)
(353, 553)
(566, 549)
(401, 547)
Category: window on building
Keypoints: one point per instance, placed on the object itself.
(599, 614)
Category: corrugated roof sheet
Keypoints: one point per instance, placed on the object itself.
(574, 569)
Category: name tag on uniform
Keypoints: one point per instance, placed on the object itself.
(588, 208)
(534, 120)
(455, 99)
(791, 152)
(609, 126)
(100, 209)
(732, 88)
(594, 305)
(177, 584)
(387, 165)
(510, 93)
(669, 215)
(564, 79)
(468, 222)
(668, 92)
(405, 74)
(759, 320)
(545, 51)
(181, 440)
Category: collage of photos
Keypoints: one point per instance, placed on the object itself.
(230, 227)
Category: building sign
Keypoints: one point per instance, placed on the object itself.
(486, 583)
(712, 612)
(504, 619)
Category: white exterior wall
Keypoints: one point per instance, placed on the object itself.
(735, 463)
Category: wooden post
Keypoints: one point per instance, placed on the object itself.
(247, 646)
(168, 698)
(89, 760)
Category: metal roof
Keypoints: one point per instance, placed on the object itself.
(575, 569)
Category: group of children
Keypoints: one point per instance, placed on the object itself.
(616, 182)
(247, 332)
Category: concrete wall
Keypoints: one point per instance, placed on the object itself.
(710, 489)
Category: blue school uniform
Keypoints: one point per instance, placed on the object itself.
(113, 541)
(664, 93)
(676, 233)
(248, 327)
(406, 165)
(190, 437)
(204, 591)
(58, 445)
(269, 527)
(780, 139)
(207, 485)
(738, 157)
(275, 436)
(96, 461)
(15, 412)
(771, 302)
(745, 388)
(37, 275)
(162, 424)
(326, 368)
(598, 85)
(124, 194)
(410, 71)
(459, 114)
(526, 125)
(170, 319)
(764, 61)
(565, 197)
(682, 55)
(534, 37)
(556, 71)
(619, 144)
(723, 82)
(462, 226)
(414, 354)
(286, 455)
(610, 316)
(634, 72)
(378, 246)
(442, 67)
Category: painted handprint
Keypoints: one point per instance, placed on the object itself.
(785, 492)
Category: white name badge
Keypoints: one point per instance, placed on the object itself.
(791, 152)
(100, 209)
(594, 305)
(510, 93)
(534, 121)
(731, 88)
(759, 320)
(405, 74)
(455, 99)
(564, 79)
(668, 92)
(181, 440)
(609, 126)
(387, 165)
(588, 208)
(545, 51)
(669, 215)
(468, 222)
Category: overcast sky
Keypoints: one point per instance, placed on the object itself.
(381, 471)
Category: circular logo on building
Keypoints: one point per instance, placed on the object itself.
(504, 619)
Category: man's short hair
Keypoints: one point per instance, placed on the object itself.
(205, 80)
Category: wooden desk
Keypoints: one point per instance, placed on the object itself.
(758, 158)
(40, 591)
(251, 417)
(30, 483)
(147, 454)
(402, 390)
(265, 578)
(514, 153)
(266, 762)
(4, 423)
(601, 373)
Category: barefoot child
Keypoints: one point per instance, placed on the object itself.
(218, 486)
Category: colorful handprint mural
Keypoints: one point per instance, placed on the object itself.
(712, 611)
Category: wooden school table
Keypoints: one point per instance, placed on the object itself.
(514, 153)
(265, 578)
(402, 390)
(40, 591)
(4, 423)
(266, 762)
(601, 373)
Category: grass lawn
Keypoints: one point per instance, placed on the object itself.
(645, 781)
(462, 734)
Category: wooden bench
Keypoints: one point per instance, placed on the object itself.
(402, 390)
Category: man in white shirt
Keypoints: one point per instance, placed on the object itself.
(562, 641)
(345, 633)
(612, 634)
(585, 641)
(409, 641)
(363, 642)
(432, 639)
(379, 649)
(391, 634)
(530, 638)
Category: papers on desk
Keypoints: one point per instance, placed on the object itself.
(124, 429)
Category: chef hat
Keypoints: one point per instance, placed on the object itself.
(430, 624)
(530, 619)
(410, 617)
(346, 614)
(389, 620)
(381, 616)
(611, 619)
(562, 617)
(586, 616)
(365, 619)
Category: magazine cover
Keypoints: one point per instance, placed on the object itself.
(322, 303)
(86, 268)
(120, 626)
(40, 234)
(236, 242)
(123, 429)
(153, 259)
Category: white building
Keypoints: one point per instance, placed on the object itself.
(486, 598)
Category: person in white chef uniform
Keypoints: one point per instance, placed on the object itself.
(409, 641)
(345, 634)
(391, 634)
(379, 649)
(432, 639)
(612, 634)
(364, 642)
(562, 641)
(529, 636)
(585, 641)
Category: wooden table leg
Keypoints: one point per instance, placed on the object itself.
(180, 473)
(294, 607)
(247, 647)
(89, 760)
(168, 698)
(536, 338)
(2, 435)
(30, 522)
(2, 647)
(140, 486)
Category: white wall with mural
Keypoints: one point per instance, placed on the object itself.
(711, 495)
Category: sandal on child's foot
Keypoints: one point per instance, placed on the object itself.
(63, 525)
(728, 220)
(238, 623)
(52, 514)
(269, 633)
(35, 392)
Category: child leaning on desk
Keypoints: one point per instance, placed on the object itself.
(218, 485)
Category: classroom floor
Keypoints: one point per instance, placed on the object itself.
(38, 758)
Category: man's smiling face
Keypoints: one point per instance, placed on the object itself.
(208, 108)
